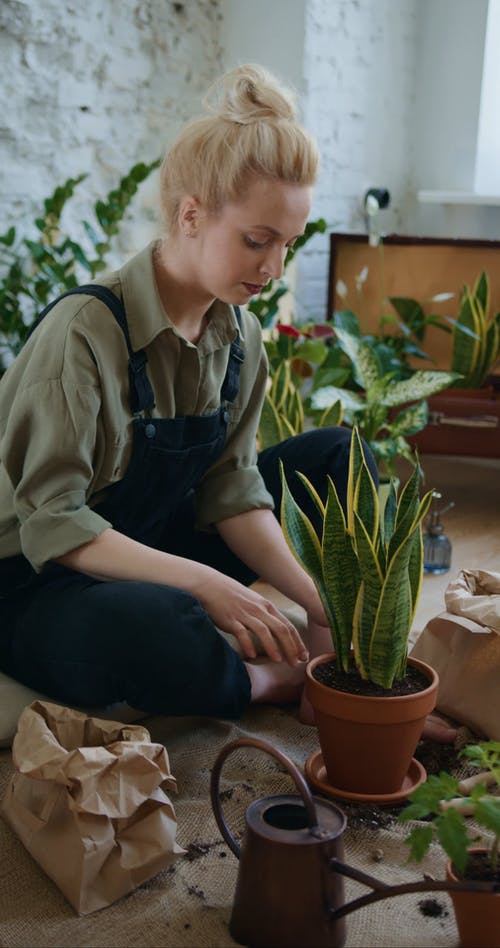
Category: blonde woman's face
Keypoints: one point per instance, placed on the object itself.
(241, 248)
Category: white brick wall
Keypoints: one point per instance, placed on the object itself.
(96, 87)
(360, 73)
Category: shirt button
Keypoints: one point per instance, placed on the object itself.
(150, 431)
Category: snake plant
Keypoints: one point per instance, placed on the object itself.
(367, 568)
(282, 414)
(476, 335)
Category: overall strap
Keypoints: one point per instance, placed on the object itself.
(141, 393)
(231, 383)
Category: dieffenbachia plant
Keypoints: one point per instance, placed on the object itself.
(372, 408)
(367, 568)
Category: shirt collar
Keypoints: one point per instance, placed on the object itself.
(146, 316)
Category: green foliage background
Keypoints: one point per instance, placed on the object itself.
(34, 271)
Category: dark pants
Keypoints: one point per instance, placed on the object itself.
(90, 643)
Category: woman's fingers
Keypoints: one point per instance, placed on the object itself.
(245, 640)
(275, 634)
(252, 619)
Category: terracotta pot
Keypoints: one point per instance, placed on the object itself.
(477, 914)
(368, 743)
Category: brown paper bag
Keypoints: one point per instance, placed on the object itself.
(463, 645)
(87, 803)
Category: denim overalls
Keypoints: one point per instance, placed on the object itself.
(91, 643)
(169, 457)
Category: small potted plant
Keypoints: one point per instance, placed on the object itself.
(469, 409)
(476, 336)
(370, 700)
(444, 802)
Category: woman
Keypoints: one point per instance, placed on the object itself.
(134, 512)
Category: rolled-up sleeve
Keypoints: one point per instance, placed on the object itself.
(66, 425)
(47, 453)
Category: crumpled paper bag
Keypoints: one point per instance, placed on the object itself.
(476, 594)
(463, 645)
(87, 803)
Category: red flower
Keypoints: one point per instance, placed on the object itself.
(286, 330)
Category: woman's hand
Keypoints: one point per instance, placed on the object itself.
(244, 613)
(231, 606)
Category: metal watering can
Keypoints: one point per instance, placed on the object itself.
(290, 886)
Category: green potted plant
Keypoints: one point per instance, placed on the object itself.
(475, 331)
(402, 326)
(458, 422)
(372, 406)
(368, 572)
(291, 367)
(476, 336)
(444, 802)
(282, 412)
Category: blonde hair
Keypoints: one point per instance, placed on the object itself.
(252, 130)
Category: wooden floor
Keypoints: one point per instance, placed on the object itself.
(472, 525)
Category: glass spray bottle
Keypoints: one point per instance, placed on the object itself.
(437, 547)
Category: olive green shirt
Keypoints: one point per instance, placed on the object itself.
(66, 423)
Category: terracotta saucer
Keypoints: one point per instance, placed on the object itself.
(315, 772)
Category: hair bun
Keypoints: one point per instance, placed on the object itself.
(250, 94)
(252, 130)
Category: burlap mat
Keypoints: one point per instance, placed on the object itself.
(190, 903)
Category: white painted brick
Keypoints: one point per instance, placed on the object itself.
(95, 88)
(360, 71)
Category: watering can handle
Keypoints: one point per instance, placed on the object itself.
(300, 783)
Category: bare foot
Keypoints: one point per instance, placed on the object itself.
(275, 682)
(435, 729)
